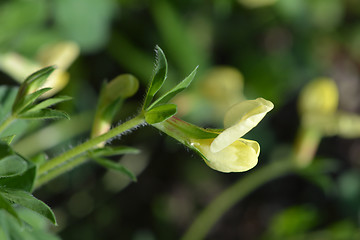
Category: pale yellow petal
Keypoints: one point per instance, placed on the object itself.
(249, 109)
(240, 119)
(61, 54)
(17, 66)
(253, 144)
(56, 81)
(240, 156)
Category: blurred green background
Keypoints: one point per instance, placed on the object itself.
(268, 49)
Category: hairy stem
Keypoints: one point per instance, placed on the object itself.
(60, 132)
(64, 161)
(69, 165)
(227, 199)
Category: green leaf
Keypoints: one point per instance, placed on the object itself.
(36, 228)
(7, 98)
(12, 165)
(44, 114)
(4, 229)
(160, 113)
(27, 200)
(19, 128)
(178, 88)
(31, 83)
(5, 150)
(115, 166)
(21, 104)
(7, 139)
(159, 76)
(38, 78)
(24, 181)
(6, 205)
(113, 151)
(49, 102)
(39, 158)
(110, 111)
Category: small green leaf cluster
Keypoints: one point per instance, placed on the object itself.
(25, 105)
(17, 174)
(160, 110)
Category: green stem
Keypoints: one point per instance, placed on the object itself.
(306, 145)
(63, 158)
(6, 122)
(208, 217)
(60, 132)
(42, 179)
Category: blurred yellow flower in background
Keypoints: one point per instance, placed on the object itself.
(318, 106)
(61, 54)
(320, 96)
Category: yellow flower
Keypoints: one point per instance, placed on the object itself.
(318, 103)
(224, 151)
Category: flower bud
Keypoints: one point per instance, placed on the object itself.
(320, 96)
(111, 98)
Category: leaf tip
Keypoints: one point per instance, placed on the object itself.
(134, 178)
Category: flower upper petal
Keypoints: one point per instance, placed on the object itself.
(240, 119)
